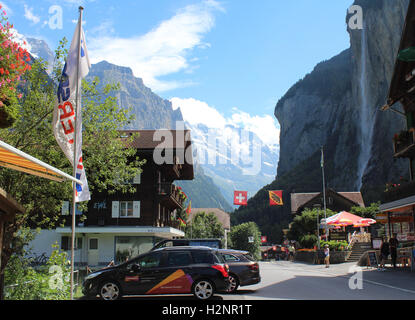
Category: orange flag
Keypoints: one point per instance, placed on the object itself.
(275, 198)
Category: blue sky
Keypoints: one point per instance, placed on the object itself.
(231, 59)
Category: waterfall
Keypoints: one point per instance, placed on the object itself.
(367, 119)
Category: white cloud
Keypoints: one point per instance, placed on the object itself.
(162, 51)
(199, 112)
(29, 15)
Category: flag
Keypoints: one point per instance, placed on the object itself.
(64, 115)
(182, 221)
(322, 158)
(275, 198)
(189, 208)
(240, 198)
(264, 239)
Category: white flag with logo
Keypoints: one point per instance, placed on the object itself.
(64, 116)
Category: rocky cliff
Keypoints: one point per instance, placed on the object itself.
(337, 106)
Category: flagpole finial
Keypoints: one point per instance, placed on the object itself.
(81, 8)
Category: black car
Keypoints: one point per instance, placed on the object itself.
(243, 269)
(211, 243)
(173, 270)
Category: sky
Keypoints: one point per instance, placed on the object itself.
(221, 61)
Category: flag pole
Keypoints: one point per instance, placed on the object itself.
(324, 190)
(75, 154)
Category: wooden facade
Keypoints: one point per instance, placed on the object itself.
(157, 198)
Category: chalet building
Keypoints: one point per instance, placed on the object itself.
(122, 225)
(398, 200)
(335, 201)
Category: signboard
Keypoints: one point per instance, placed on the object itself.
(376, 243)
(338, 236)
(372, 259)
(250, 239)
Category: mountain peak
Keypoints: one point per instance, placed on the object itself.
(105, 65)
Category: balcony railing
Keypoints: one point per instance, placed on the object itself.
(172, 191)
(404, 144)
(398, 191)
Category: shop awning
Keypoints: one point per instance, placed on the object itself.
(398, 205)
(15, 159)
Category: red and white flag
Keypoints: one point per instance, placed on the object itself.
(64, 116)
(240, 198)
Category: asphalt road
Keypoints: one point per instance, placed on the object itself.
(285, 280)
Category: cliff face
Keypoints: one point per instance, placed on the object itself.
(151, 111)
(337, 106)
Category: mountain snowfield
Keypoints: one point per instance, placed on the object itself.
(238, 153)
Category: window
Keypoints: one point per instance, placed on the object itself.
(230, 257)
(65, 243)
(179, 259)
(202, 257)
(93, 244)
(151, 260)
(126, 209)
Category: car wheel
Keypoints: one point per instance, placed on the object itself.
(203, 290)
(110, 290)
(233, 283)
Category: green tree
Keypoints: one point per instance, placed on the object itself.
(367, 212)
(304, 227)
(204, 225)
(240, 236)
(107, 158)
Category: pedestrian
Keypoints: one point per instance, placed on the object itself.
(327, 255)
(291, 250)
(393, 245)
(384, 253)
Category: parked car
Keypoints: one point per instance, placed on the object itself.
(212, 243)
(243, 269)
(174, 270)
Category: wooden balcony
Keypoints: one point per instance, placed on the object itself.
(404, 144)
(399, 191)
(171, 195)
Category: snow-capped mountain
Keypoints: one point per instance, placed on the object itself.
(236, 159)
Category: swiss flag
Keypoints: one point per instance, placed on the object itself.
(263, 239)
(240, 198)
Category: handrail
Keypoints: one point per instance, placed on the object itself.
(352, 240)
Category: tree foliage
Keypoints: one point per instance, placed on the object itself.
(240, 235)
(204, 225)
(304, 227)
(107, 158)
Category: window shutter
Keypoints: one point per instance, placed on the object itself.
(115, 209)
(136, 209)
(137, 179)
(65, 208)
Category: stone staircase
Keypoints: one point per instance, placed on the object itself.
(358, 249)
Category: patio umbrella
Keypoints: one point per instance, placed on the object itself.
(366, 221)
(343, 222)
(343, 218)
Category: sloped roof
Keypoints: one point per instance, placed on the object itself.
(300, 199)
(223, 217)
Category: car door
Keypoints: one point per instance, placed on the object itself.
(175, 274)
(137, 281)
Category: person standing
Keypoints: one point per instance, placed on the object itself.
(393, 244)
(327, 255)
(384, 253)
